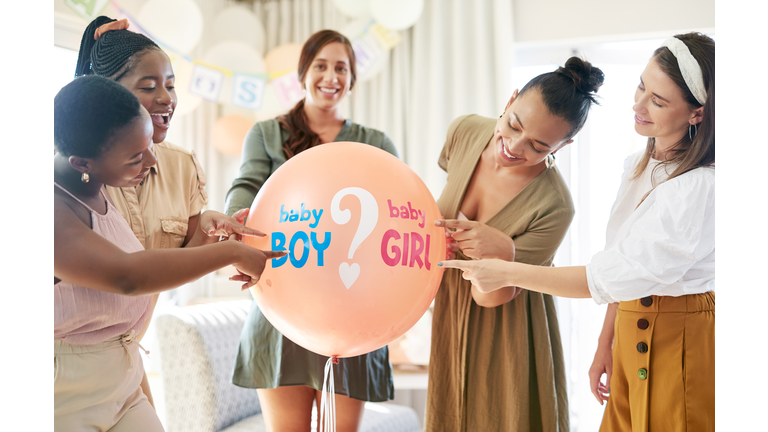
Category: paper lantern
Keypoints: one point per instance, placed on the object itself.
(271, 107)
(229, 132)
(283, 58)
(237, 23)
(397, 14)
(362, 247)
(370, 57)
(177, 24)
(353, 8)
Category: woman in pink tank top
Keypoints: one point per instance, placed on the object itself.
(102, 275)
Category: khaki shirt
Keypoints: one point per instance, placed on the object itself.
(158, 210)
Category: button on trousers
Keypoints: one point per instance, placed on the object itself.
(663, 366)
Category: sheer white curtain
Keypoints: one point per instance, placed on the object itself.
(455, 60)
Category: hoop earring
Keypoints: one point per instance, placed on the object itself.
(85, 178)
(695, 131)
(550, 161)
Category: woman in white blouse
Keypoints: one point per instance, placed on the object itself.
(657, 272)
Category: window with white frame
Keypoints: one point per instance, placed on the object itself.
(63, 62)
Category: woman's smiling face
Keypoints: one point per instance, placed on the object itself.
(128, 157)
(527, 132)
(328, 78)
(152, 82)
(660, 109)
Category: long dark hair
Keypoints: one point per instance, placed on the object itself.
(688, 153)
(300, 136)
(114, 54)
(569, 92)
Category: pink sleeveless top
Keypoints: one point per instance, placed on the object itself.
(84, 316)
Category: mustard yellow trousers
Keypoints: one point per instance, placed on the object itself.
(663, 366)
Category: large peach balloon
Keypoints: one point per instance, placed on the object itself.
(362, 248)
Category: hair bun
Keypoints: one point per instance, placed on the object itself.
(586, 77)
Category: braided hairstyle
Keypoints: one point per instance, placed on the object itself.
(569, 92)
(87, 112)
(114, 54)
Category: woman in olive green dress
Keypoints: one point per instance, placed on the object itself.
(289, 377)
(496, 362)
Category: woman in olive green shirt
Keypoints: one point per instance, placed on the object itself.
(289, 377)
(496, 362)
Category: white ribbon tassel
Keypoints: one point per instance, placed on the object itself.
(327, 415)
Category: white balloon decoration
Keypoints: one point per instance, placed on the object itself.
(178, 24)
(397, 14)
(237, 57)
(239, 24)
(353, 8)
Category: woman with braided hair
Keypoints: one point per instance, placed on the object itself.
(164, 209)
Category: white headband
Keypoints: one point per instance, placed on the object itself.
(689, 67)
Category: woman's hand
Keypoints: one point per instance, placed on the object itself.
(486, 275)
(252, 265)
(479, 241)
(602, 364)
(114, 25)
(214, 223)
(451, 245)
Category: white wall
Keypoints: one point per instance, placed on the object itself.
(550, 20)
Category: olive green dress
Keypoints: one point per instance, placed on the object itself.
(499, 369)
(266, 359)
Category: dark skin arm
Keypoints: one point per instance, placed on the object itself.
(478, 240)
(85, 258)
(207, 227)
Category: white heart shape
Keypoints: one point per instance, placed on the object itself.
(349, 273)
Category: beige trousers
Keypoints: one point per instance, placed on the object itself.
(96, 388)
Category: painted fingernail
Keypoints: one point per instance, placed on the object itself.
(440, 264)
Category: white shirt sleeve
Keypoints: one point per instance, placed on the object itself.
(672, 230)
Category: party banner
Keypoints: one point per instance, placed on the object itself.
(367, 54)
(288, 89)
(206, 82)
(214, 83)
(88, 9)
(248, 91)
(385, 37)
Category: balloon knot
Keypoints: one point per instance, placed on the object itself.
(335, 359)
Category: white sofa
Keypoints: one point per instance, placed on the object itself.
(198, 345)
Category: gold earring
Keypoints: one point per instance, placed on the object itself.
(85, 178)
(502, 114)
(550, 160)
